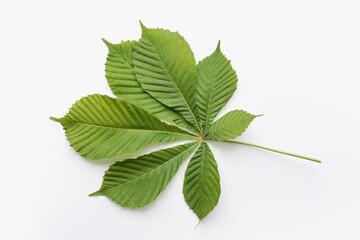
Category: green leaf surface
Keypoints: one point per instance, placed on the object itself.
(165, 67)
(123, 83)
(135, 183)
(202, 182)
(99, 126)
(230, 126)
(157, 78)
(216, 83)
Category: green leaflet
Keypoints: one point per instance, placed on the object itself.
(165, 67)
(216, 83)
(123, 83)
(229, 126)
(135, 183)
(202, 182)
(99, 127)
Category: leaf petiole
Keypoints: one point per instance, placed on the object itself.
(273, 150)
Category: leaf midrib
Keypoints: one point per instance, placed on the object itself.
(202, 197)
(209, 99)
(133, 129)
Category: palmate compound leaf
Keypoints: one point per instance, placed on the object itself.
(99, 126)
(102, 127)
(135, 183)
(230, 126)
(123, 83)
(202, 182)
(165, 67)
(216, 83)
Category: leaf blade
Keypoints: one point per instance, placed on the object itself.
(137, 182)
(165, 67)
(202, 182)
(230, 126)
(123, 83)
(98, 127)
(216, 83)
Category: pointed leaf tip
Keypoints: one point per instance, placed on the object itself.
(218, 46)
(106, 42)
(143, 29)
(97, 193)
(142, 26)
(55, 119)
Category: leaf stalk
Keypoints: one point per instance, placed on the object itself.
(273, 150)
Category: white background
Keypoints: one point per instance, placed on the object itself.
(297, 63)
